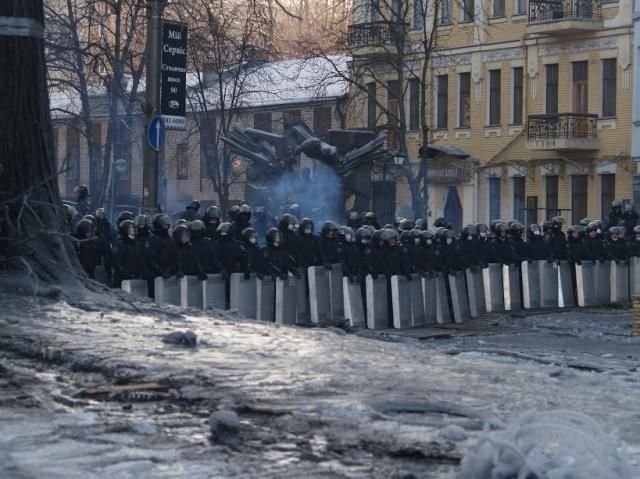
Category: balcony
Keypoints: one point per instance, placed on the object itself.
(557, 17)
(563, 132)
(373, 34)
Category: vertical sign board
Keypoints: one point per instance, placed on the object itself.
(173, 88)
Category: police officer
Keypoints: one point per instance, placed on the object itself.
(212, 219)
(557, 239)
(242, 221)
(191, 211)
(276, 261)
(593, 246)
(328, 246)
(83, 200)
(616, 246)
(254, 260)
(203, 248)
(260, 223)
(353, 220)
(538, 248)
(500, 247)
(371, 219)
(87, 247)
(468, 247)
(629, 218)
(350, 254)
(485, 254)
(518, 245)
(127, 261)
(448, 251)
(187, 262)
(575, 244)
(308, 243)
(412, 251)
(365, 252)
(288, 225)
(633, 246)
(160, 252)
(615, 215)
(230, 253)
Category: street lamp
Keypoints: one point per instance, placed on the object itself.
(398, 159)
(118, 167)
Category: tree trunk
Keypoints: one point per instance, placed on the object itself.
(28, 183)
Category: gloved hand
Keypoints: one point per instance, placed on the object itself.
(327, 266)
(283, 276)
(166, 275)
(374, 276)
(247, 275)
(530, 261)
(593, 262)
(202, 276)
(408, 276)
(179, 275)
(224, 274)
(550, 261)
(297, 274)
(579, 263)
(260, 276)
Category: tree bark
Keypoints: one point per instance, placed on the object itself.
(33, 213)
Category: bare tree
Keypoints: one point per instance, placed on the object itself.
(95, 55)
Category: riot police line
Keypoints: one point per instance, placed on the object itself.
(397, 275)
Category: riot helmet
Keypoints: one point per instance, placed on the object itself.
(223, 230)
(273, 237)
(616, 206)
(234, 213)
(127, 229)
(427, 238)
(370, 218)
(416, 236)
(182, 222)
(377, 238)
(585, 221)
(441, 223)
(181, 234)
(91, 218)
(244, 213)
(329, 230)
(249, 236)
(347, 235)
(212, 215)
(197, 228)
(161, 222)
(483, 230)
(576, 232)
(501, 230)
(194, 205)
(84, 229)
(468, 233)
(306, 227)
(627, 209)
(389, 236)
(592, 229)
(535, 231)
(364, 235)
(125, 215)
(287, 222)
(294, 210)
(420, 224)
(517, 229)
(101, 215)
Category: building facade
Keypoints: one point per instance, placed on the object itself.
(529, 107)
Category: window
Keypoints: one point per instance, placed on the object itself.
(73, 154)
(498, 8)
(468, 9)
(609, 87)
(208, 152)
(494, 97)
(607, 193)
(551, 196)
(321, 120)
(551, 93)
(262, 121)
(394, 95)
(580, 77)
(371, 106)
(519, 198)
(444, 17)
(442, 101)
(418, 14)
(494, 198)
(396, 11)
(182, 161)
(579, 191)
(291, 116)
(414, 104)
(464, 103)
(518, 94)
(520, 7)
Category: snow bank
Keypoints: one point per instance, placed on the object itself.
(547, 445)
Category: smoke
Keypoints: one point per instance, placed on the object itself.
(317, 190)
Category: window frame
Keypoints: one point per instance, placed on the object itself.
(468, 15)
(575, 218)
(514, 96)
(608, 96)
(492, 114)
(547, 195)
(182, 161)
(519, 215)
(547, 69)
(467, 124)
(605, 202)
(579, 85)
(494, 186)
(494, 12)
(442, 113)
(414, 104)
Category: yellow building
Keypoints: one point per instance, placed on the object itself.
(528, 105)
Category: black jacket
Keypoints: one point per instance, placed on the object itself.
(161, 255)
(231, 254)
(575, 251)
(617, 251)
(593, 249)
(538, 249)
(88, 254)
(277, 262)
(127, 262)
(501, 251)
(558, 243)
(518, 250)
(308, 255)
(205, 252)
(329, 251)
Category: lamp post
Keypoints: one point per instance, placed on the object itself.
(118, 167)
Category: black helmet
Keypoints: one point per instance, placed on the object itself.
(389, 236)
(636, 230)
(501, 229)
(181, 222)
(181, 234)
(81, 190)
(101, 214)
(234, 212)
(197, 228)
(126, 227)
(161, 222)
(419, 224)
(347, 235)
(125, 215)
(91, 218)
(405, 236)
(213, 213)
(534, 231)
(84, 229)
(306, 227)
(273, 237)
(593, 226)
(546, 226)
(557, 221)
(248, 234)
(441, 223)
(616, 204)
(245, 212)
(223, 230)
(585, 221)
(377, 237)
(627, 209)
(427, 238)
(354, 216)
(405, 224)
(141, 221)
(194, 205)
(493, 224)
(482, 229)
(517, 228)
(364, 235)
(329, 227)
(287, 222)
(370, 218)
(294, 209)
(577, 229)
(469, 231)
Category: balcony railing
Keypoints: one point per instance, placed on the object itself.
(372, 34)
(560, 126)
(547, 11)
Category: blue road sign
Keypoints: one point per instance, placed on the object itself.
(157, 133)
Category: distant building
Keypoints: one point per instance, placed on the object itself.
(273, 91)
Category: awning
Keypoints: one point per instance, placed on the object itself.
(447, 150)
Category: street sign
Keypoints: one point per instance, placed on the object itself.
(157, 133)
(173, 90)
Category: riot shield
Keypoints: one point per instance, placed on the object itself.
(459, 297)
(602, 279)
(265, 299)
(493, 292)
(586, 284)
(443, 314)
(400, 302)
(418, 317)
(430, 301)
(531, 285)
(548, 272)
(303, 314)
(138, 287)
(243, 295)
(191, 292)
(353, 309)
(377, 303)
(214, 292)
(319, 295)
(286, 300)
(511, 285)
(337, 296)
(619, 283)
(634, 276)
(565, 286)
(167, 291)
(475, 292)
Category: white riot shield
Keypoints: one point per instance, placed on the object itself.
(303, 314)
(531, 285)
(265, 299)
(511, 287)
(377, 303)
(286, 300)
(400, 302)
(603, 279)
(430, 301)
(337, 296)
(137, 287)
(190, 292)
(619, 283)
(459, 297)
(418, 317)
(493, 291)
(319, 295)
(475, 292)
(565, 286)
(634, 276)
(586, 284)
(443, 315)
(167, 290)
(353, 308)
(214, 292)
(243, 295)
(549, 297)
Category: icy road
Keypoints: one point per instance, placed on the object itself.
(312, 403)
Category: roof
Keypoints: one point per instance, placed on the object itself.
(448, 150)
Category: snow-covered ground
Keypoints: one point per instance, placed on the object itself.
(311, 402)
